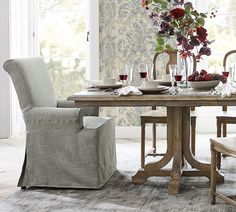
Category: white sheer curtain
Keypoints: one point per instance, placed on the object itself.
(20, 37)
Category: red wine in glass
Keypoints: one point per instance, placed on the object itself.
(225, 73)
(123, 77)
(178, 78)
(143, 75)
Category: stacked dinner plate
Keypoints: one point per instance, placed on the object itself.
(152, 87)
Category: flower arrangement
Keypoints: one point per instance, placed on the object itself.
(174, 18)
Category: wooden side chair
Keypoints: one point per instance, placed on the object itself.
(225, 117)
(160, 117)
(219, 146)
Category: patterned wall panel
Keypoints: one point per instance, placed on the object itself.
(126, 36)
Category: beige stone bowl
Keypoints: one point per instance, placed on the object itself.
(203, 85)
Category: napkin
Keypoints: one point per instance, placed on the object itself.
(226, 90)
(129, 90)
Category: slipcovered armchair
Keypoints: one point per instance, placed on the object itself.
(66, 147)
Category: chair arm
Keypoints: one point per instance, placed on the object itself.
(43, 118)
(65, 104)
(87, 111)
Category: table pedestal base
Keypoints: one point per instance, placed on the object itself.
(178, 149)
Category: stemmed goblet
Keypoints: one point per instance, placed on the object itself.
(173, 70)
(123, 76)
(232, 72)
(130, 68)
(143, 72)
(149, 69)
(225, 72)
(178, 78)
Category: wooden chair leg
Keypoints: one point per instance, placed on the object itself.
(224, 135)
(213, 175)
(154, 138)
(218, 128)
(218, 157)
(193, 134)
(142, 144)
(224, 129)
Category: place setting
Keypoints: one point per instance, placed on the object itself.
(122, 81)
(148, 85)
(106, 84)
(152, 87)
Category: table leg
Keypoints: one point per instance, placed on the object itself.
(155, 168)
(203, 169)
(174, 123)
(178, 148)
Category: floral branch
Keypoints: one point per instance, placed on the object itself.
(180, 20)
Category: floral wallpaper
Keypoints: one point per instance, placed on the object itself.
(126, 36)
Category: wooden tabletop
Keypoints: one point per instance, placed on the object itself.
(188, 97)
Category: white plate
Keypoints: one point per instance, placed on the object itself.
(163, 82)
(203, 85)
(108, 86)
(99, 84)
(159, 89)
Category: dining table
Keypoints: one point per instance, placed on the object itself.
(178, 130)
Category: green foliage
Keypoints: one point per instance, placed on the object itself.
(159, 49)
(160, 40)
(169, 48)
(200, 21)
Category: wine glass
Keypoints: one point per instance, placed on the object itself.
(143, 72)
(231, 72)
(178, 78)
(130, 68)
(225, 72)
(173, 70)
(123, 76)
(149, 69)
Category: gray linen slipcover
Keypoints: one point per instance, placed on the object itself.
(66, 147)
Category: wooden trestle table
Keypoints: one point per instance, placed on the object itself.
(178, 129)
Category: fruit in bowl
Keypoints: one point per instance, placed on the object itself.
(204, 80)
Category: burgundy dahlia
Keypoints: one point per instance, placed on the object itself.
(177, 13)
(201, 34)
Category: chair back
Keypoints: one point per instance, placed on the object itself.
(225, 108)
(32, 82)
(172, 60)
(226, 56)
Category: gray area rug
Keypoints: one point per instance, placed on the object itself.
(119, 194)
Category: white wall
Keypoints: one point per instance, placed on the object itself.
(5, 85)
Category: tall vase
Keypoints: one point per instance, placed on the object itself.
(188, 65)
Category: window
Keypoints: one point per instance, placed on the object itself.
(59, 29)
(222, 29)
(63, 45)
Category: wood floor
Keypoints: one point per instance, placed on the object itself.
(11, 160)
(12, 155)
